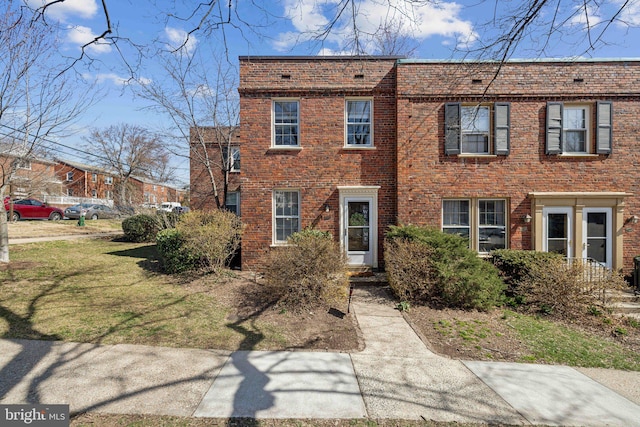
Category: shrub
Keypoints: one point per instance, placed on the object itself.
(140, 228)
(566, 289)
(310, 271)
(428, 266)
(204, 240)
(175, 256)
(516, 265)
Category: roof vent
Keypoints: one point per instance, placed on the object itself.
(578, 80)
(285, 76)
(359, 76)
(476, 81)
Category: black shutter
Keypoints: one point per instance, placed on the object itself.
(452, 129)
(604, 131)
(554, 128)
(501, 128)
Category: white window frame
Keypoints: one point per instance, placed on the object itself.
(347, 123)
(69, 176)
(466, 132)
(236, 194)
(474, 225)
(235, 155)
(588, 144)
(94, 177)
(108, 180)
(276, 217)
(94, 193)
(275, 125)
(23, 164)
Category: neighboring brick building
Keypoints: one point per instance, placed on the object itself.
(211, 145)
(526, 155)
(81, 180)
(34, 177)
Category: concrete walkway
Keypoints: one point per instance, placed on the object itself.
(396, 376)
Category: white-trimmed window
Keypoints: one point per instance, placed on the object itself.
(108, 194)
(94, 193)
(108, 180)
(286, 214)
(477, 129)
(69, 176)
(483, 222)
(23, 164)
(232, 202)
(234, 166)
(286, 123)
(94, 177)
(570, 128)
(359, 122)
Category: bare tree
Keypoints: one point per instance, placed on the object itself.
(37, 104)
(128, 151)
(202, 104)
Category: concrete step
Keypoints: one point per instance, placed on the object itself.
(368, 279)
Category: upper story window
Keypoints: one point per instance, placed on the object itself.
(359, 118)
(23, 164)
(69, 176)
(286, 123)
(477, 129)
(232, 202)
(233, 163)
(94, 177)
(108, 180)
(579, 128)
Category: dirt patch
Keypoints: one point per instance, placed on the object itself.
(322, 328)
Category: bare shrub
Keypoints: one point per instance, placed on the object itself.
(310, 271)
(566, 289)
(410, 272)
(212, 236)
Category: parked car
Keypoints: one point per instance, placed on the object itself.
(169, 206)
(92, 211)
(32, 209)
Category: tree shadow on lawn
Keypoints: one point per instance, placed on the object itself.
(148, 255)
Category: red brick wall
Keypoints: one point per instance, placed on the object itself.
(322, 164)
(426, 175)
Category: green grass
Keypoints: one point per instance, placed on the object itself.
(553, 343)
(101, 291)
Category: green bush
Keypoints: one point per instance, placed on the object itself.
(204, 241)
(310, 271)
(518, 265)
(174, 254)
(428, 266)
(140, 228)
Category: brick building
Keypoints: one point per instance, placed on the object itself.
(526, 155)
(82, 180)
(33, 177)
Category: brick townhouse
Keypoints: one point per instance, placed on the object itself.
(534, 154)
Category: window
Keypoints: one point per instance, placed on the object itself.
(69, 192)
(94, 193)
(235, 161)
(484, 226)
(285, 123)
(23, 164)
(359, 119)
(570, 128)
(477, 129)
(108, 194)
(232, 202)
(69, 176)
(286, 214)
(108, 180)
(94, 177)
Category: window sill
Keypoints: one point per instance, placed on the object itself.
(471, 155)
(280, 245)
(578, 155)
(285, 148)
(358, 147)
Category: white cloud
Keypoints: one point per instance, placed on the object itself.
(630, 16)
(81, 35)
(585, 16)
(114, 79)
(180, 40)
(63, 10)
(419, 20)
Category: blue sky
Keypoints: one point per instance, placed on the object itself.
(438, 30)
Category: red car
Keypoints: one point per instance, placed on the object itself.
(32, 209)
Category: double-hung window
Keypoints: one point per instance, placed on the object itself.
(232, 163)
(359, 120)
(108, 180)
(477, 129)
(575, 129)
(482, 222)
(286, 123)
(232, 202)
(286, 214)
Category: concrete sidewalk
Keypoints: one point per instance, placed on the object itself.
(396, 376)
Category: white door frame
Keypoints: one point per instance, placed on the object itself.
(609, 229)
(355, 194)
(570, 231)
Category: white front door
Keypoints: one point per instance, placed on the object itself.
(557, 228)
(359, 236)
(597, 235)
